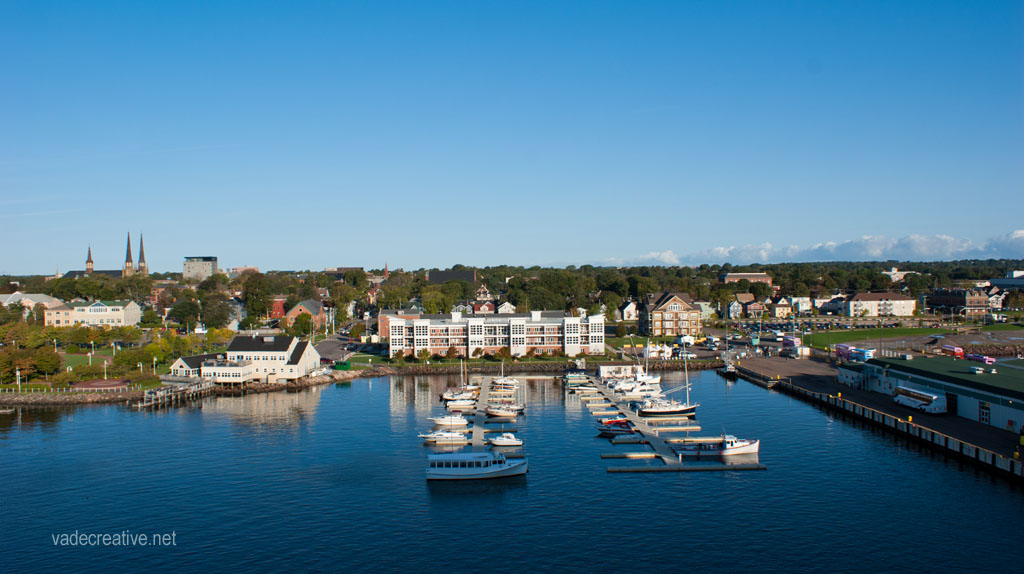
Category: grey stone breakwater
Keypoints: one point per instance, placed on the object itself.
(995, 350)
(40, 399)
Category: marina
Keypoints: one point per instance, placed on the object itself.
(357, 442)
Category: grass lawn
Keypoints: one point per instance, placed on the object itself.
(820, 339)
(1002, 327)
(619, 342)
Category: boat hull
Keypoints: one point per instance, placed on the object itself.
(713, 449)
(511, 469)
(682, 411)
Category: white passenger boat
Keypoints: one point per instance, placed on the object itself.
(444, 437)
(506, 439)
(473, 465)
(452, 420)
(727, 446)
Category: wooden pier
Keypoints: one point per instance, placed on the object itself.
(175, 395)
(648, 432)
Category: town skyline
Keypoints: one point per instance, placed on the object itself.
(554, 134)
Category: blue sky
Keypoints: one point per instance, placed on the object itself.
(303, 135)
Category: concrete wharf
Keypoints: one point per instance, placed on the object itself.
(814, 381)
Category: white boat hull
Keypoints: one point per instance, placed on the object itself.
(716, 449)
(511, 469)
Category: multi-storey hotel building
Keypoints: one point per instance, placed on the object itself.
(543, 332)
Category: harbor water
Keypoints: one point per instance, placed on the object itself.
(333, 478)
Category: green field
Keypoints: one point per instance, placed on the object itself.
(820, 339)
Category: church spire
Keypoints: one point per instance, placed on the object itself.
(88, 261)
(142, 268)
(129, 267)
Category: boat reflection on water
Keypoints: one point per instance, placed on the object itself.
(461, 491)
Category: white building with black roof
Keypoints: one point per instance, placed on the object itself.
(264, 359)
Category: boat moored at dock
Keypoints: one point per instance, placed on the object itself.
(728, 445)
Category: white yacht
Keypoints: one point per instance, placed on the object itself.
(452, 420)
(727, 446)
(444, 437)
(473, 465)
(460, 404)
(506, 439)
(504, 410)
(458, 393)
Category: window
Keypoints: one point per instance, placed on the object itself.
(984, 412)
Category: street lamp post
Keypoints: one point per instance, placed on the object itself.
(55, 345)
(90, 359)
(154, 365)
(104, 370)
(140, 367)
(17, 373)
(93, 343)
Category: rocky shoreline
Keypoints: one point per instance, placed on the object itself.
(51, 399)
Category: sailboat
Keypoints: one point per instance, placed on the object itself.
(662, 407)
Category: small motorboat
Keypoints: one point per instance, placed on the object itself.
(444, 437)
(615, 429)
(453, 420)
(618, 419)
(727, 446)
(458, 393)
(460, 404)
(506, 439)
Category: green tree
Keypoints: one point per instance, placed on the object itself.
(423, 355)
(256, 294)
(150, 318)
(302, 326)
(356, 278)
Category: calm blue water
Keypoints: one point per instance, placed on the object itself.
(334, 479)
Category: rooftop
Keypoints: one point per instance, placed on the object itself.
(270, 344)
(1007, 381)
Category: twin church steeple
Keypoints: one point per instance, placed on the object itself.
(129, 267)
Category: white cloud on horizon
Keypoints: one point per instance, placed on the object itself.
(912, 247)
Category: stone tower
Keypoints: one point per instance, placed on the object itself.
(129, 267)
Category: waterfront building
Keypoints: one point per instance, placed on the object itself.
(965, 302)
(879, 305)
(385, 316)
(541, 332)
(95, 314)
(671, 314)
(199, 268)
(265, 359)
(989, 394)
